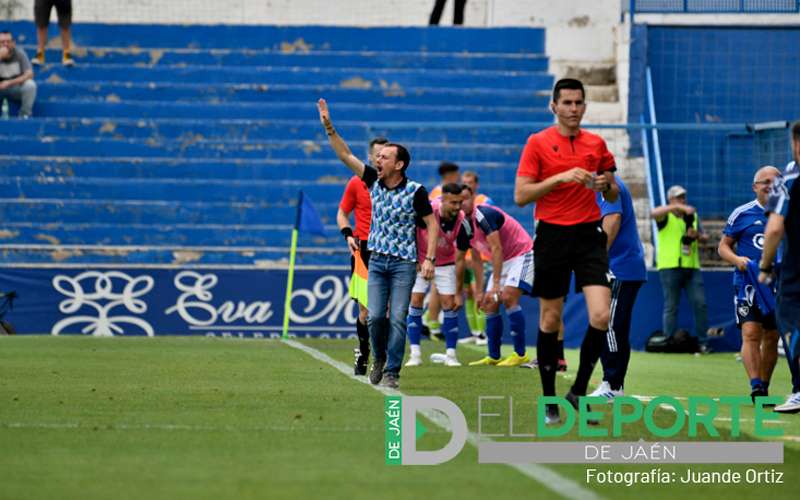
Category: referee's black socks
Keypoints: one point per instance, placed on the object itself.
(591, 349)
(363, 338)
(547, 354)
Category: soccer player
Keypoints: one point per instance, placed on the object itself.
(626, 260)
(397, 204)
(783, 208)
(561, 169)
(498, 234)
(455, 233)
(741, 244)
(356, 199)
(448, 173)
(476, 318)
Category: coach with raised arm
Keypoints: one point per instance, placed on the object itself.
(397, 204)
(561, 169)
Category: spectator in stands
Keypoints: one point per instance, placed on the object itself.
(678, 262)
(16, 75)
(458, 12)
(41, 15)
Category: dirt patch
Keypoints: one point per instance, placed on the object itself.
(108, 128)
(155, 56)
(62, 254)
(331, 179)
(393, 90)
(579, 22)
(5, 234)
(311, 147)
(356, 83)
(186, 256)
(48, 238)
(113, 98)
(54, 78)
(299, 46)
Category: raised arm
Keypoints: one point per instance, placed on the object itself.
(340, 147)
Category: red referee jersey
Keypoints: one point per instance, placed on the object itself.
(356, 197)
(549, 153)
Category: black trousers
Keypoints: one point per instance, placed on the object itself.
(617, 351)
(458, 12)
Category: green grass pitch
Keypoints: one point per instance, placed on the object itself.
(90, 418)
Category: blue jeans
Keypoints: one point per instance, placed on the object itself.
(389, 284)
(672, 282)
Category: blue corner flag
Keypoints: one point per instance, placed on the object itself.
(308, 220)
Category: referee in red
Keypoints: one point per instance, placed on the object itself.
(560, 170)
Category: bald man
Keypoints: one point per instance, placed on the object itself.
(741, 246)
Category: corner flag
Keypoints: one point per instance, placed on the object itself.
(307, 221)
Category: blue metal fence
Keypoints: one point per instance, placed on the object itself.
(713, 6)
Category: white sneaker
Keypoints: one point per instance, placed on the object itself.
(481, 339)
(792, 404)
(414, 360)
(604, 391)
(467, 340)
(451, 361)
(438, 358)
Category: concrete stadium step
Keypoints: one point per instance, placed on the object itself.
(356, 133)
(122, 255)
(323, 171)
(300, 39)
(397, 79)
(272, 111)
(198, 93)
(343, 59)
(159, 234)
(291, 150)
(267, 193)
(114, 211)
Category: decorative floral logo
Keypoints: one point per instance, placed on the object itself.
(102, 325)
(327, 299)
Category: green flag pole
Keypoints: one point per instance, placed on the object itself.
(289, 283)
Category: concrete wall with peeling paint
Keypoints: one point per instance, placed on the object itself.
(579, 30)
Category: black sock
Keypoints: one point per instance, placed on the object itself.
(591, 349)
(561, 349)
(547, 354)
(363, 338)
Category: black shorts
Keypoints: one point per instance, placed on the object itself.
(42, 9)
(365, 253)
(747, 311)
(560, 251)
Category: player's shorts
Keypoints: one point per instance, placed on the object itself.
(747, 311)
(444, 277)
(42, 9)
(517, 272)
(469, 277)
(359, 264)
(563, 250)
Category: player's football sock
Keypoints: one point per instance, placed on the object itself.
(414, 325)
(591, 349)
(755, 382)
(472, 314)
(765, 384)
(494, 331)
(547, 354)
(450, 327)
(516, 320)
(481, 320)
(363, 338)
(561, 349)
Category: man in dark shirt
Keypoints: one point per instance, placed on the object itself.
(16, 75)
(783, 207)
(397, 204)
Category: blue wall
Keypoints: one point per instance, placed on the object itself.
(716, 75)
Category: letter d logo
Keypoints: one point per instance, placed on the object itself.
(458, 427)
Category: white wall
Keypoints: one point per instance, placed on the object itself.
(578, 30)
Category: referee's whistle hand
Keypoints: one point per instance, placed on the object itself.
(576, 174)
(599, 183)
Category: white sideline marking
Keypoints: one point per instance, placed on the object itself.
(178, 427)
(546, 477)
